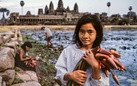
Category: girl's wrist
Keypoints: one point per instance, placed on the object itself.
(68, 76)
(95, 72)
(96, 65)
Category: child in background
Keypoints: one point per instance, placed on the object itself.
(26, 62)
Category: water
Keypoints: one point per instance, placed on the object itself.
(124, 42)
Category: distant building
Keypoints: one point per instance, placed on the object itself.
(115, 16)
(131, 16)
(49, 16)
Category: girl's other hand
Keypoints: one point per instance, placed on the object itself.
(29, 57)
(79, 76)
(90, 59)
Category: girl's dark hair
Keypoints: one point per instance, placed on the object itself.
(94, 19)
(28, 44)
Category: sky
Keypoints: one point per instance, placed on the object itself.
(92, 6)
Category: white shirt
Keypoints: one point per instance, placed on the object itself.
(49, 33)
(67, 61)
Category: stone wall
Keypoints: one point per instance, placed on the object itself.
(9, 42)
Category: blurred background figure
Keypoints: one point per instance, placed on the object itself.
(26, 62)
(48, 35)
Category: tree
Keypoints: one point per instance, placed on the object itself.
(123, 21)
(103, 17)
(22, 4)
(3, 18)
(115, 20)
(108, 4)
(130, 8)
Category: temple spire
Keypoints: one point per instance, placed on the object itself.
(40, 11)
(68, 9)
(60, 4)
(46, 9)
(51, 8)
(76, 8)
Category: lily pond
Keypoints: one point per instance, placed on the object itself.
(124, 42)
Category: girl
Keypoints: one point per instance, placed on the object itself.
(88, 35)
(22, 59)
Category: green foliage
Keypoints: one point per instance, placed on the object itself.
(104, 14)
(3, 10)
(124, 21)
(17, 80)
(2, 31)
(27, 38)
(48, 70)
(114, 20)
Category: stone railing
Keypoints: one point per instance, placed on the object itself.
(9, 41)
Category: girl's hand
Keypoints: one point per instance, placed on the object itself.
(79, 76)
(90, 59)
(29, 57)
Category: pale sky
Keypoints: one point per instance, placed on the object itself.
(91, 6)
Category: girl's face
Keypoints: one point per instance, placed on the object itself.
(27, 48)
(87, 34)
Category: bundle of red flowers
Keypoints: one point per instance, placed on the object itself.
(108, 60)
(30, 63)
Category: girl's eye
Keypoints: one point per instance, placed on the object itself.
(90, 31)
(81, 31)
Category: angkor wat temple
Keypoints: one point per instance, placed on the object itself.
(49, 16)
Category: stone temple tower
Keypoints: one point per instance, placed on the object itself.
(51, 8)
(46, 10)
(40, 11)
(60, 9)
(60, 5)
(67, 9)
(76, 8)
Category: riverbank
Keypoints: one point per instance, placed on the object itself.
(64, 27)
(47, 58)
(124, 42)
